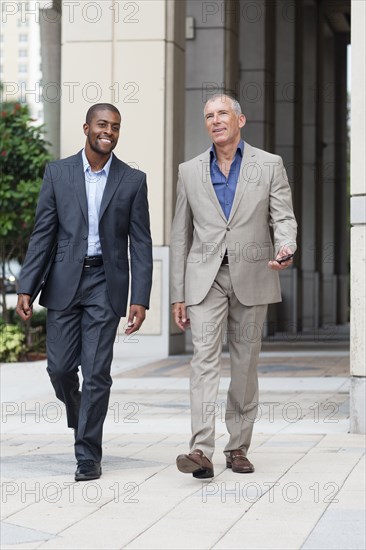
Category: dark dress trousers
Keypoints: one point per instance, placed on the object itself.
(85, 304)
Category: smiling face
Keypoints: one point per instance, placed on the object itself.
(102, 132)
(222, 123)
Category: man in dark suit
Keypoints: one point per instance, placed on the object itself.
(92, 207)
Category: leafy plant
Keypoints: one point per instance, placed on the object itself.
(23, 156)
(34, 331)
(11, 342)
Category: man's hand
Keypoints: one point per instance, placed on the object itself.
(180, 315)
(284, 251)
(136, 317)
(23, 309)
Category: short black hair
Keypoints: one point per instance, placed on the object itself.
(100, 107)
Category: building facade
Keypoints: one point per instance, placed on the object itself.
(286, 61)
(20, 54)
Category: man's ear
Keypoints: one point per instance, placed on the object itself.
(242, 120)
(86, 128)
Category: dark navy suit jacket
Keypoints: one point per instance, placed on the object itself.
(62, 219)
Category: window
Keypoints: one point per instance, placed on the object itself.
(22, 68)
(23, 84)
(23, 38)
(23, 53)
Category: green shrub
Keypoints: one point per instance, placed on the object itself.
(34, 331)
(11, 343)
(23, 156)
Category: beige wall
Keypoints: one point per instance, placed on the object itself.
(120, 58)
(358, 191)
(358, 221)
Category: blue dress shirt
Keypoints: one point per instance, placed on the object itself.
(94, 185)
(225, 187)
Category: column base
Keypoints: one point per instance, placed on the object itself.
(158, 336)
(329, 299)
(357, 405)
(310, 300)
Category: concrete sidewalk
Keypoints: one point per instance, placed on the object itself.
(307, 491)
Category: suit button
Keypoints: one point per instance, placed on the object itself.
(81, 260)
(85, 237)
(228, 229)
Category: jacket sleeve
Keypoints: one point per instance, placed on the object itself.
(140, 248)
(42, 238)
(281, 213)
(181, 240)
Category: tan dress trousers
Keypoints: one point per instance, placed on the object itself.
(220, 315)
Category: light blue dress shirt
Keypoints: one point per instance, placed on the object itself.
(94, 185)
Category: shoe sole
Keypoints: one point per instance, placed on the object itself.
(86, 477)
(187, 466)
(203, 473)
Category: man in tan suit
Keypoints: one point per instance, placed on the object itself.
(224, 273)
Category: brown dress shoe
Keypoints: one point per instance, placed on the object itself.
(239, 463)
(195, 463)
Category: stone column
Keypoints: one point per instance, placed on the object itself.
(287, 102)
(358, 220)
(309, 298)
(257, 60)
(205, 68)
(232, 69)
(253, 77)
(319, 152)
(50, 29)
(132, 54)
(328, 280)
(341, 252)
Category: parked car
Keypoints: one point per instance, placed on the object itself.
(9, 282)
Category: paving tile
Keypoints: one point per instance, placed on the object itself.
(264, 536)
(20, 546)
(64, 503)
(339, 529)
(15, 534)
(309, 473)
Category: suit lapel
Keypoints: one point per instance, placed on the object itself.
(116, 172)
(246, 167)
(203, 168)
(79, 185)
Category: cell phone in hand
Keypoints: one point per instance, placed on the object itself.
(284, 258)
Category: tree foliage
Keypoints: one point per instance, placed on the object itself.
(23, 156)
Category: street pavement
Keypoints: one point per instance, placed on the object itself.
(308, 489)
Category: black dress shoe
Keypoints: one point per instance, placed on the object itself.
(88, 469)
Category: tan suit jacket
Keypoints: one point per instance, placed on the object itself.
(201, 233)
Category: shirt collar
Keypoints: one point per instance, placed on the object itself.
(105, 169)
(239, 149)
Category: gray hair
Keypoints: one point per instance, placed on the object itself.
(236, 105)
